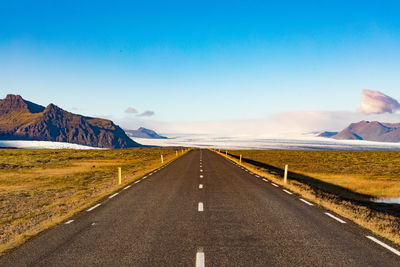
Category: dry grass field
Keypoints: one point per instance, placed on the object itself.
(374, 173)
(40, 188)
(340, 181)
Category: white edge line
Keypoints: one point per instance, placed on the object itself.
(68, 222)
(265, 180)
(92, 208)
(305, 201)
(395, 251)
(113, 195)
(127, 187)
(200, 259)
(200, 206)
(257, 176)
(275, 185)
(288, 192)
(137, 181)
(334, 217)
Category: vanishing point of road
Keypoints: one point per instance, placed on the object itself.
(204, 210)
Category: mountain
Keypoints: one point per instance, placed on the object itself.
(369, 130)
(144, 133)
(24, 120)
(327, 134)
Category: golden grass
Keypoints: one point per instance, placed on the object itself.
(381, 219)
(40, 188)
(374, 173)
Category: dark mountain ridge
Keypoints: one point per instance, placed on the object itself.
(369, 130)
(24, 120)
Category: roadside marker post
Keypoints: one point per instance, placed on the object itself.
(226, 152)
(176, 152)
(285, 176)
(119, 176)
(240, 160)
(162, 159)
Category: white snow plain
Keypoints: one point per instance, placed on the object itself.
(42, 145)
(241, 142)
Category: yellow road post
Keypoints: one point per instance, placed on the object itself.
(119, 175)
(285, 176)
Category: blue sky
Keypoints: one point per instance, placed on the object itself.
(199, 60)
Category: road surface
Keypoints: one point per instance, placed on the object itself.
(204, 210)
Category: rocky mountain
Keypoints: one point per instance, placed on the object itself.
(369, 130)
(144, 133)
(24, 120)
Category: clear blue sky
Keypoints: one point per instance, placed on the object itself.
(199, 60)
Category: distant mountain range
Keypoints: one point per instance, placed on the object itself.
(144, 133)
(24, 120)
(368, 130)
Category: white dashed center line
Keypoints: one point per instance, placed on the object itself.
(265, 180)
(68, 222)
(305, 201)
(200, 259)
(201, 170)
(200, 186)
(334, 217)
(200, 206)
(201, 176)
(92, 208)
(113, 195)
(275, 185)
(395, 251)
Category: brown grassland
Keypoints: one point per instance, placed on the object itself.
(41, 188)
(341, 181)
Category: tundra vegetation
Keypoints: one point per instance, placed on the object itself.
(41, 188)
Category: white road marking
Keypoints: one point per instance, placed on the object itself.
(92, 208)
(265, 180)
(395, 251)
(200, 206)
(200, 259)
(288, 192)
(137, 181)
(257, 176)
(275, 185)
(201, 170)
(149, 174)
(201, 176)
(93, 223)
(305, 201)
(144, 177)
(113, 195)
(68, 222)
(334, 217)
(200, 186)
(127, 187)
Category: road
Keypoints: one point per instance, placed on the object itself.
(204, 210)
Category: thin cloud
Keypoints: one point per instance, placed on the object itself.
(131, 110)
(147, 113)
(375, 102)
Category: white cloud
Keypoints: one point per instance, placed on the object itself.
(375, 102)
(131, 110)
(147, 113)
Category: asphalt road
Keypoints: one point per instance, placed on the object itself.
(203, 209)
